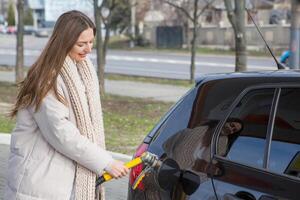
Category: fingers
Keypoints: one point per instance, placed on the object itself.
(117, 169)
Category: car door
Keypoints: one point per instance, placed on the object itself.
(261, 159)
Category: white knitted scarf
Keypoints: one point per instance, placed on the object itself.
(89, 121)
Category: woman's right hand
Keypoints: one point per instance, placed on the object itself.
(117, 169)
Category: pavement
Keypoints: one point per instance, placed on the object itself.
(159, 92)
(115, 189)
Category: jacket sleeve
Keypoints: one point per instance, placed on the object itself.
(64, 136)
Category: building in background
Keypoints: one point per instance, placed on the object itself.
(46, 12)
(215, 29)
(4, 7)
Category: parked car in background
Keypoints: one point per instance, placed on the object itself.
(3, 29)
(41, 33)
(239, 133)
(11, 30)
(29, 30)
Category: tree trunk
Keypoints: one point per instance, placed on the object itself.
(106, 40)
(99, 48)
(240, 37)
(237, 20)
(194, 40)
(294, 61)
(20, 46)
(193, 53)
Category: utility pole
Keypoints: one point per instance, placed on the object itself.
(133, 11)
(295, 36)
(20, 45)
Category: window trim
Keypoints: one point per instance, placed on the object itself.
(270, 127)
(277, 87)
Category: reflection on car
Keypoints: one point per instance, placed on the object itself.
(239, 133)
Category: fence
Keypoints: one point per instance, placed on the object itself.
(276, 35)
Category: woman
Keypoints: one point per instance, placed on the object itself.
(57, 146)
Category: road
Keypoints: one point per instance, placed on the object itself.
(144, 63)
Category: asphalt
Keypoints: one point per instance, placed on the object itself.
(116, 189)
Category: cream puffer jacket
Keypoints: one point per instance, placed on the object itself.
(44, 147)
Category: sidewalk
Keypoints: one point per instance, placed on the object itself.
(160, 92)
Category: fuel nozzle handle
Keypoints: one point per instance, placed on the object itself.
(147, 158)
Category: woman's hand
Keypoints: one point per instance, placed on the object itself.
(117, 169)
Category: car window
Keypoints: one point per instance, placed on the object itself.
(243, 136)
(285, 146)
(177, 120)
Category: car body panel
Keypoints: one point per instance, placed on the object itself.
(186, 133)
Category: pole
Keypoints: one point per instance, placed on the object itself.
(295, 36)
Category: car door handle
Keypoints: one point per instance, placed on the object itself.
(245, 195)
(228, 196)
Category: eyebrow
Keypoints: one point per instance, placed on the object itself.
(85, 41)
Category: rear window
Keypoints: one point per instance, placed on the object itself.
(285, 146)
(243, 137)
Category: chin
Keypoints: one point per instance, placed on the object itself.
(80, 59)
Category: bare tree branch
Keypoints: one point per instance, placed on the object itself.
(230, 12)
(205, 7)
(180, 8)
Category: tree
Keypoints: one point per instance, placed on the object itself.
(11, 14)
(107, 15)
(120, 16)
(20, 46)
(294, 62)
(28, 18)
(236, 16)
(197, 10)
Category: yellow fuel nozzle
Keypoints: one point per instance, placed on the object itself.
(147, 158)
(150, 160)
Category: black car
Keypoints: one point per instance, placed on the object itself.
(232, 136)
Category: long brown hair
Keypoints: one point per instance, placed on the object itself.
(41, 77)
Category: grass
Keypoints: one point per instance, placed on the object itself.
(6, 124)
(8, 92)
(177, 82)
(126, 120)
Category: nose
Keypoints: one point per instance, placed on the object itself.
(88, 48)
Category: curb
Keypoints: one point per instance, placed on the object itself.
(5, 139)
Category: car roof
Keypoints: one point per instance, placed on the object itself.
(256, 74)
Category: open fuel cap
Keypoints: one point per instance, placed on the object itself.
(168, 174)
(190, 182)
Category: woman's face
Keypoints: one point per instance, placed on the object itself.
(231, 127)
(83, 46)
